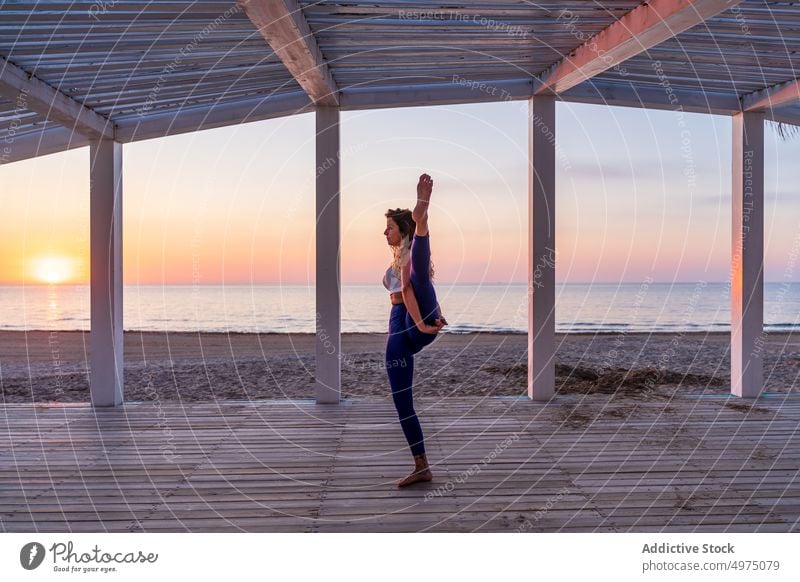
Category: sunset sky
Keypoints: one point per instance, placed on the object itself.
(236, 205)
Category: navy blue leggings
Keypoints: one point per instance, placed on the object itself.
(405, 340)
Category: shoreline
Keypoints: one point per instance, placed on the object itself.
(52, 366)
(374, 333)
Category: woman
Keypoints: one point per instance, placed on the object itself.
(415, 317)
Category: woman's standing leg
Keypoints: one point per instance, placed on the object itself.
(400, 368)
(399, 363)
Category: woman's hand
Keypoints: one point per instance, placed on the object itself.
(432, 329)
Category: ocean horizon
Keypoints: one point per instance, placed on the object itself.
(468, 307)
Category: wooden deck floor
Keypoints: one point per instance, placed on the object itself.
(577, 464)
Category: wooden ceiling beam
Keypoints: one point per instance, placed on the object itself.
(643, 28)
(27, 92)
(773, 97)
(283, 26)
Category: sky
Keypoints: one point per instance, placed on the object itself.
(639, 194)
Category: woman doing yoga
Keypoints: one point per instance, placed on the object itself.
(415, 317)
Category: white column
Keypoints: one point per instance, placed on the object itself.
(328, 384)
(541, 247)
(747, 255)
(105, 191)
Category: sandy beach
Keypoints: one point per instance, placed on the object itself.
(44, 366)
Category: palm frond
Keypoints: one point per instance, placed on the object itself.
(785, 131)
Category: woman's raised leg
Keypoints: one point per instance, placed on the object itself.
(420, 212)
(420, 277)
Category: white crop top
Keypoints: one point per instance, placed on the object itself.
(391, 282)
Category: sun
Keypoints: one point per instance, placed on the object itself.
(53, 270)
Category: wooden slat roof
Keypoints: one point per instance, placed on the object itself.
(754, 46)
(159, 67)
(141, 57)
(424, 42)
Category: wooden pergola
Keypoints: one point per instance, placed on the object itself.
(104, 74)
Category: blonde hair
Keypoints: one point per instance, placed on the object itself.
(402, 254)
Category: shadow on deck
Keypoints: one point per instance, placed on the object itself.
(578, 464)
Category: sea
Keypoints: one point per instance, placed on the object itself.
(469, 308)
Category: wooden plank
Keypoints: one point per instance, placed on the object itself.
(26, 91)
(106, 272)
(32, 144)
(328, 321)
(641, 29)
(450, 93)
(189, 119)
(787, 93)
(541, 247)
(283, 26)
(747, 255)
(299, 477)
(627, 94)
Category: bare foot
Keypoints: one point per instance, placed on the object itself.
(416, 477)
(422, 472)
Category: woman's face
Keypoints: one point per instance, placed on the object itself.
(392, 233)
